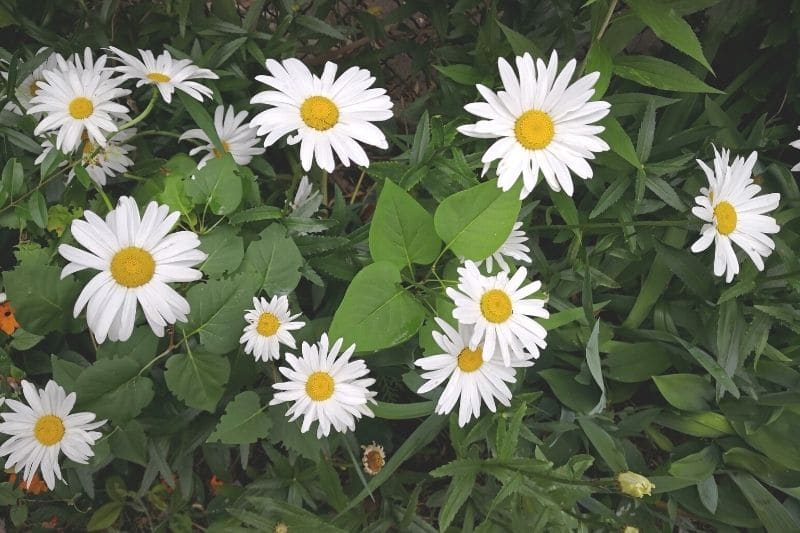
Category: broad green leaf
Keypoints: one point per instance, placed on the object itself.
(201, 118)
(665, 192)
(217, 185)
(670, 27)
(113, 388)
(688, 267)
(274, 260)
(654, 72)
(38, 209)
(270, 511)
(708, 491)
(256, 214)
(174, 175)
(595, 369)
(463, 74)
(606, 446)
(576, 396)
(402, 231)
(42, 301)
(319, 26)
(476, 222)
(599, 60)
(688, 392)
(141, 347)
(404, 411)
(129, 442)
(376, 311)
(105, 516)
(773, 515)
(619, 141)
(696, 466)
(711, 366)
(225, 250)
(779, 440)
(762, 466)
(217, 311)
(635, 362)
(705, 425)
(519, 43)
(197, 378)
(244, 421)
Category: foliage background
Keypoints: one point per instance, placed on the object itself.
(653, 365)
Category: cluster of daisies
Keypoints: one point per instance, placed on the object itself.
(543, 125)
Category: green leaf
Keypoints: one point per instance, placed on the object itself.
(225, 250)
(606, 446)
(576, 396)
(635, 362)
(773, 515)
(216, 185)
(654, 72)
(711, 366)
(463, 74)
(688, 267)
(38, 209)
(376, 311)
(201, 118)
(105, 516)
(598, 59)
(619, 141)
(519, 43)
(595, 369)
(669, 27)
(688, 392)
(217, 311)
(113, 388)
(705, 425)
(244, 421)
(476, 222)
(174, 174)
(610, 196)
(274, 260)
(709, 493)
(319, 26)
(402, 231)
(665, 192)
(457, 494)
(696, 466)
(42, 301)
(256, 214)
(141, 347)
(197, 378)
(404, 411)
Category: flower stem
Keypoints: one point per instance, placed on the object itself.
(104, 196)
(141, 116)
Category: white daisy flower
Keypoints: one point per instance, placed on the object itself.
(3, 297)
(326, 387)
(306, 200)
(542, 123)
(500, 310)
(734, 214)
(136, 258)
(165, 73)
(75, 97)
(44, 428)
(237, 139)
(328, 114)
(268, 326)
(514, 247)
(795, 144)
(470, 380)
(29, 86)
(100, 162)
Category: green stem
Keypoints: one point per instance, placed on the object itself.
(141, 116)
(358, 186)
(104, 196)
(323, 186)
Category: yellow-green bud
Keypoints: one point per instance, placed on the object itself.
(634, 484)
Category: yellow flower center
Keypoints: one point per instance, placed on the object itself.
(158, 77)
(496, 306)
(319, 112)
(132, 267)
(34, 88)
(534, 129)
(469, 360)
(726, 217)
(81, 108)
(319, 386)
(225, 149)
(49, 430)
(268, 325)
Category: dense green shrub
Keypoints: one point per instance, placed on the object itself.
(653, 364)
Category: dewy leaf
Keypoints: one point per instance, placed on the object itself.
(654, 72)
(197, 378)
(402, 231)
(476, 222)
(42, 301)
(275, 260)
(225, 250)
(217, 311)
(669, 27)
(244, 421)
(216, 185)
(377, 312)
